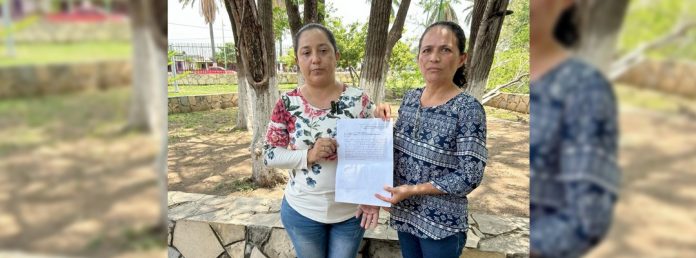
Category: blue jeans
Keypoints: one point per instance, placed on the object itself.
(315, 239)
(415, 247)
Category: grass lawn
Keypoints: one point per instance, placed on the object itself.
(31, 122)
(190, 90)
(186, 125)
(36, 54)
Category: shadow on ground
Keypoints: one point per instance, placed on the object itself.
(77, 185)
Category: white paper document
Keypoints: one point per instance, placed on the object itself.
(365, 160)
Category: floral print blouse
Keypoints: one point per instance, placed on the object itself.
(294, 127)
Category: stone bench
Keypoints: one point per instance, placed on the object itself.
(208, 226)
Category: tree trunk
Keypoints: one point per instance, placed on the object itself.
(484, 48)
(212, 41)
(600, 22)
(149, 105)
(293, 17)
(393, 37)
(311, 14)
(280, 45)
(295, 26)
(476, 17)
(372, 73)
(244, 117)
(397, 28)
(258, 57)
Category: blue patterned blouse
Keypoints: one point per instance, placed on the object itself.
(443, 145)
(573, 152)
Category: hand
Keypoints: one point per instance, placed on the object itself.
(383, 111)
(323, 149)
(398, 193)
(370, 216)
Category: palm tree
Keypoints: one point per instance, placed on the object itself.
(469, 13)
(208, 11)
(439, 10)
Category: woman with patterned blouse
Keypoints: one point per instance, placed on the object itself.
(439, 150)
(301, 138)
(574, 177)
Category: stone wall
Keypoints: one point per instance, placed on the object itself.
(217, 79)
(204, 226)
(32, 80)
(511, 101)
(57, 32)
(185, 104)
(674, 77)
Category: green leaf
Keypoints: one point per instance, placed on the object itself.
(286, 101)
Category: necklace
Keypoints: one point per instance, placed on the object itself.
(313, 102)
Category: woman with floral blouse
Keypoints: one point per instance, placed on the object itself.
(439, 150)
(301, 138)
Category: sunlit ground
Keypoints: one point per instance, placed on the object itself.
(654, 216)
(73, 181)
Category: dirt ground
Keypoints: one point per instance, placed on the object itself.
(655, 215)
(73, 183)
(217, 162)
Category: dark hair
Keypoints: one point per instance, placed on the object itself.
(459, 78)
(566, 30)
(311, 26)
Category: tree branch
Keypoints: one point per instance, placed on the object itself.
(293, 17)
(495, 92)
(310, 12)
(397, 28)
(634, 57)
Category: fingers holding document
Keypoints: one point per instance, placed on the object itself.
(383, 111)
(398, 194)
(323, 149)
(369, 214)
